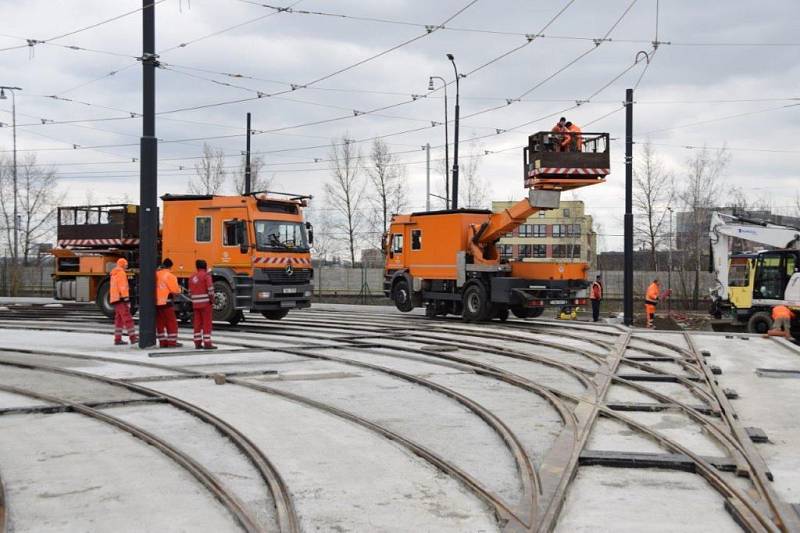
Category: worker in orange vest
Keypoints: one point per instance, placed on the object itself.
(596, 295)
(782, 321)
(166, 321)
(558, 132)
(201, 291)
(119, 296)
(575, 143)
(651, 301)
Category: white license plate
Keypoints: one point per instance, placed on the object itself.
(289, 290)
(290, 303)
(558, 302)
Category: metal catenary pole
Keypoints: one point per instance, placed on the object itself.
(148, 182)
(628, 280)
(454, 196)
(247, 183)
(428, 177)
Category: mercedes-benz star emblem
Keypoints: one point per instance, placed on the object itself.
(289, 269)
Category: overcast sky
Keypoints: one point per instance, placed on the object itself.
(744, 51)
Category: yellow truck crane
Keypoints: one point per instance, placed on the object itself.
(257, 247)
(447, 261)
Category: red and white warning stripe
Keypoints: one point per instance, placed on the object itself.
(97, 242)
(570, 171)
(281, 260)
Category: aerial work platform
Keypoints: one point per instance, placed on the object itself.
(546, 167)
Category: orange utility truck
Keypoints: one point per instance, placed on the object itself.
(257, 247)
(447, 261)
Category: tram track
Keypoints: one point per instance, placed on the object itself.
(578, 412)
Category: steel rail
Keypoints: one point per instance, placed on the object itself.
(288, 521)
(503, 510)
(230, 501)
(785, 516)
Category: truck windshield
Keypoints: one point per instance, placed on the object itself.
(280, 235)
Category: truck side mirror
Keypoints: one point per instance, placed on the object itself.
(244, 247)
(310, 230)
(241, 236)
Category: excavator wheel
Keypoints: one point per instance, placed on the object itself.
(760, 322)
(401, 295)
(476, 304)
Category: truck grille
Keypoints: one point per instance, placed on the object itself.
(281, 277)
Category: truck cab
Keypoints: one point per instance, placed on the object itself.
(257, 248)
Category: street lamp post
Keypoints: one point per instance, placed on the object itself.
(446, 142)
(669, 274)
(3, 96)
(455, 144)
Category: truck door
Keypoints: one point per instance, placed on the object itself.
(394, 258)
(235, 243)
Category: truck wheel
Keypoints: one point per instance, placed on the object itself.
(760, 322)
(101, 300)
(527, 312)
(275, 315)
(501, 313)
(223, 302)
(401, 294)
(476, 304)
(534, 312)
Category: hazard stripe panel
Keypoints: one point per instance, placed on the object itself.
(97, 242)
(570, 171)
(281, 260)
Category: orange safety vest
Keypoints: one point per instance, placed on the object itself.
(597, 291)
(781, 311)
(119, 285)
(578, 137)
(651, 297)
(166, 284)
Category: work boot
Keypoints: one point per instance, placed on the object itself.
(209, 347)
(176, 345)
(198, 346)
(119, 342)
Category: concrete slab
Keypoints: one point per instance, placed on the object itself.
(342, 477)
(57, 468)
(636, 500)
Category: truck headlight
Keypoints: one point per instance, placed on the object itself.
(263, 295)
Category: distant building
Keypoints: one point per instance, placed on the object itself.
(563, 234)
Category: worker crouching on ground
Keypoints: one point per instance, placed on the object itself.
(651, 301)
(201, 291)
(781, 322)
(119, 296)
(166, 321)
(596, 296)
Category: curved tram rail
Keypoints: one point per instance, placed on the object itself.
(614, 353)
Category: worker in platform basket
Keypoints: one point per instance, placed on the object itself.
(651, 301)
(781, 321)
(166, 321)
(558, 131)
(119, 296)
(201, 291)
(574, 139)
(596, 295)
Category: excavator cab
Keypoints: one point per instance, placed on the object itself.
(552, 164)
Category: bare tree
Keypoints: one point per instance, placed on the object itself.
(472, 189)
(389, 193)
(345, 193)
(702, 190)
(654, 191)
(325, 244)
(210, 172)
(259, 180)
(37, 199)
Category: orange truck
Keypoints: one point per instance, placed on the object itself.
(257, 247)
(448, 263)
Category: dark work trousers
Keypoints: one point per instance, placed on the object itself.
(595, 310)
